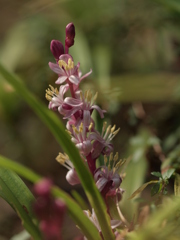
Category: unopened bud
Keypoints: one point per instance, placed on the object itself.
(70, 34)
(43, 187)
(57, 48)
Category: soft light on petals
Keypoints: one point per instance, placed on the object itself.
(61, 79)
(74, 79)
(72, 177)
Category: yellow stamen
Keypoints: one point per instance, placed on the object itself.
(75, 129)
(95, 97)
(90, 126)
(81, 127)
(61, 158)
(66, 66)
(111, 156)
(116, 157)
(51, 92)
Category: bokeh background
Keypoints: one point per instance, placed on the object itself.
(133, 48)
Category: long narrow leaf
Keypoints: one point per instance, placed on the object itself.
(74, 210)
(15, 192)
(57, 128)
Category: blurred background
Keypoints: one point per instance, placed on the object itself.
(133, 48)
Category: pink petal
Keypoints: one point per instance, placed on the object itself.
(55, 67)
(74, 79)
(86, 75)
(101, 183)
(61, 79)
(72, 177)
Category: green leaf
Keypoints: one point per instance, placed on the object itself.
(15, 192)
(140, 189)
(156, 174)
(89, 230)
(155, 189)
(79, 200)
(57, 128)
(168, 173)
(177, 185)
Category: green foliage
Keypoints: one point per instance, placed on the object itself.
(15, 192)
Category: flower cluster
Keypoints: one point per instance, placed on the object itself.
(78, 109)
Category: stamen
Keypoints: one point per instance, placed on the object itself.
(111, 157)
(113, 128)
(116, 157)
(61, 158)
(105, 159)
(90, 126)
(63, 64)
(51, 92)
(81, 127)
(107, 131)
(75, 129)
(95, 97)
(104, 127)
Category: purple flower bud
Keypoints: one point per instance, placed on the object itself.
(57, 48)
(70, 34)
(43, 187)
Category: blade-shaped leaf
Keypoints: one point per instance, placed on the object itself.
(15, 192)
(57, 128)
(140, 189)
(74, 210)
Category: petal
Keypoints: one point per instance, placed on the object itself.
(115, 223)
(63, 89)
(73, 101)
(65, 57)
(100, 111)
(86, 75)
(61, 79)
(55, 67)
(72, 177)
(74, 79)
(101, 183)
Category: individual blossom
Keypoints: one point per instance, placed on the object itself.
(71, 176)
(67, 71)
(107, 178)
(67, 106)
(102, 142)
(49, 211)
(94, 220)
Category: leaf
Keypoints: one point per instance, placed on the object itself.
(79, 199)
(168, 173)
(140, 189)
(15, 192)
(155, 189)
(57, 129)
(177, 185)
(89, 230)
(156, 174)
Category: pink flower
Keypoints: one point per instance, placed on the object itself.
(102, 142)
(80, 137)
(71, 175)
(67, 106)
(66, 70)
(94, 220)
(106, 180)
